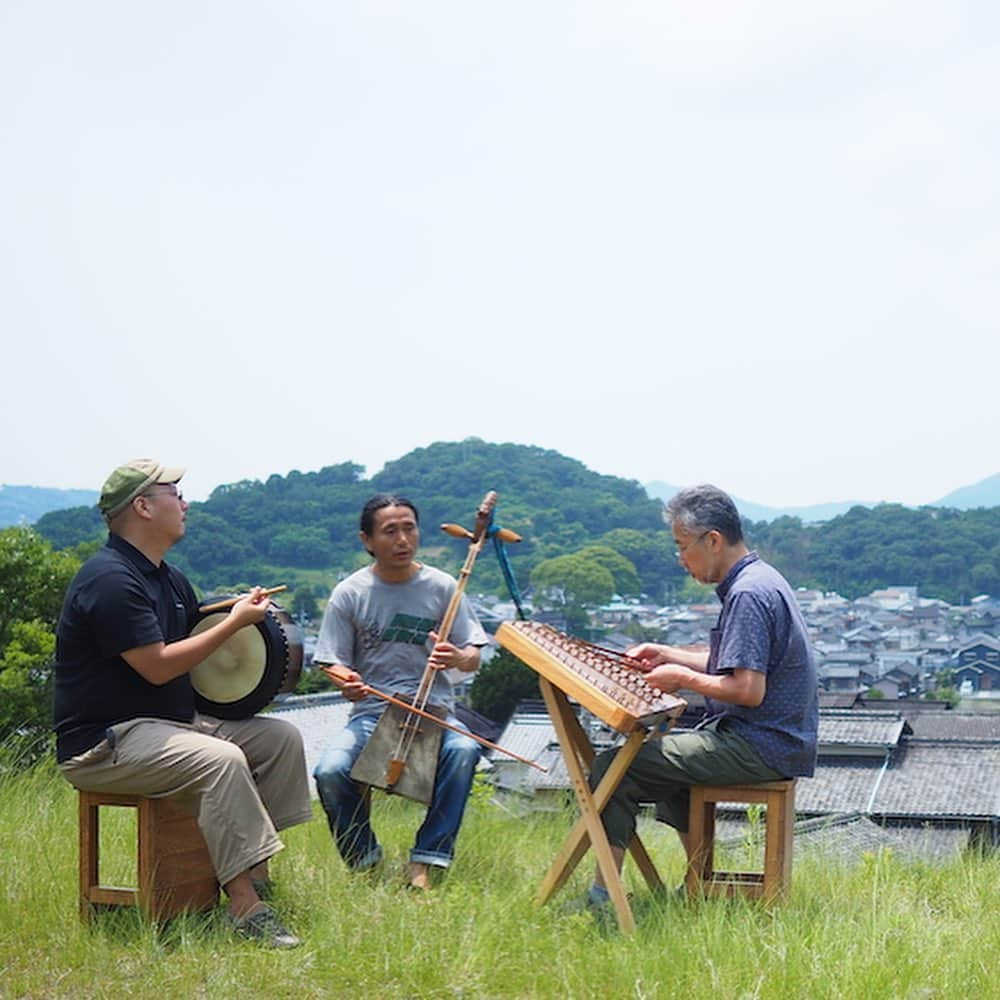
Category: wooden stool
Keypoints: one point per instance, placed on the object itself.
(773, 882)
(174, 870)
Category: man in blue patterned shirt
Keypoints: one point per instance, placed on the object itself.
(758, 679)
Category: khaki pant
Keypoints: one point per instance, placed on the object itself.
(244, 780)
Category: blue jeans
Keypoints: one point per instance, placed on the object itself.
(347, 809)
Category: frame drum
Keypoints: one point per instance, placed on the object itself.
(252, 666)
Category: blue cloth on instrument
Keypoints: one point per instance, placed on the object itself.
(493, 531)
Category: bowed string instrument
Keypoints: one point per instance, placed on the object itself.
(418, 708)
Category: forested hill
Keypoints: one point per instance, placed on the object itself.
(249, 530)
(302, 528)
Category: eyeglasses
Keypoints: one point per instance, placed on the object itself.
(681, 549)
(169, 491)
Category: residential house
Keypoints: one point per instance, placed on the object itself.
(936, 771)
(976, 666)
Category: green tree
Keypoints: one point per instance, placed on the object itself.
(984, 578)
(652, 554)
(569, 583)
(26, 693)
(67, 527)
(295, 546)
(312, 680)
(693, 592)
(33, 580)
(626, 580)
(948, 694)
(559, 507)
(500, 684)
(306, 600)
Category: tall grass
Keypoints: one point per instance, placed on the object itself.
(876, 927)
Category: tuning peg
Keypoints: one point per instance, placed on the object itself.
(457, 531)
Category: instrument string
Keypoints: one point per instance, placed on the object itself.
(410, 728)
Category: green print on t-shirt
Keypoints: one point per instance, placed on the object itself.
(407, 628)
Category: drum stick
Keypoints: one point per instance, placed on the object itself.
(230, 601)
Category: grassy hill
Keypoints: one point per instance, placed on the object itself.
(876, 927)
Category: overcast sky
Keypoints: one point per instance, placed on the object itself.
(753, 244)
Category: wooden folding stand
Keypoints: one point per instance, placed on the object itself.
(626, 703)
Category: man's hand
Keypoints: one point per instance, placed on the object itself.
(652, 654)
(445, 656)
(250, 609)
(739, 687)
(349, 681)
(159, 663)
(648, 654)
(669, 677)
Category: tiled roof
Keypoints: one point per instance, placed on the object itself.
(832, 699)
(838, 786)
(839, 672)
(838, 657)
(907, 707)
(860, 728)
(938, 781)
(956, 726)
(979, 640)
(849, 837)
(527, 735)
(528, 779)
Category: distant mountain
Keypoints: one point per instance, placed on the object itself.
(759, 512)
(26, 504)
(985, 493)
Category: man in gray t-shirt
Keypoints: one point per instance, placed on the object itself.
(380, 625)
(758, 679)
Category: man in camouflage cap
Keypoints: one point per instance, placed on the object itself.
(124, 704)
(130, 480)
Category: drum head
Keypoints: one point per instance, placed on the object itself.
(253, 665)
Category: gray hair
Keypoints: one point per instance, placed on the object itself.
(705, 508)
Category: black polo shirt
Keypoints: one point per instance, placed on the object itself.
(117, 601)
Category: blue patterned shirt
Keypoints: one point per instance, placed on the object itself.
(761, 628)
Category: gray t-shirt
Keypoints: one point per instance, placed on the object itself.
(380, 630)
(761, 628)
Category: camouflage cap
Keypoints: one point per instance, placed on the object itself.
(130, 479)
